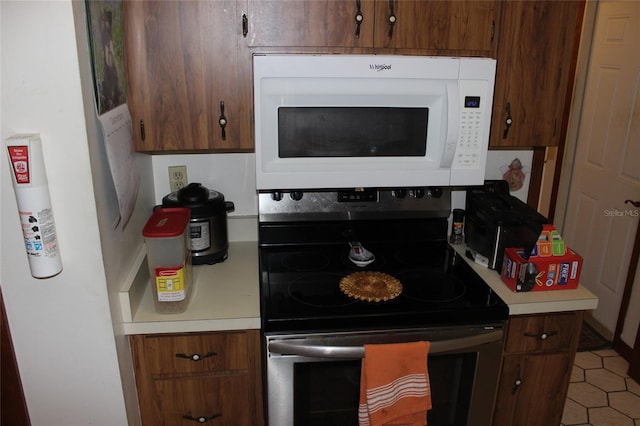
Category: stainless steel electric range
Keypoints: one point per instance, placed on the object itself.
(314, 334)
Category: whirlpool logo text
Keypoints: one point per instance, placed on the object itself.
(380, 67)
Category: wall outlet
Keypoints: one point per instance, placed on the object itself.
(177, 177)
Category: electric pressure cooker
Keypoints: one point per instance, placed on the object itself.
(208, 224)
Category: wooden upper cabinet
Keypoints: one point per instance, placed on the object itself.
(310, 23)
(418, 24)
(188, 85)
(436, 25)
(537, 53)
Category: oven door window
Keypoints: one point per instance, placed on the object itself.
(316, 132)
(327, 393)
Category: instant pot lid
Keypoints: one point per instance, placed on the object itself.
(197, 197)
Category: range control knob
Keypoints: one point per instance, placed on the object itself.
(296, 195)
(416, 193)
(435, 192)
(276, 195)
(399, 193)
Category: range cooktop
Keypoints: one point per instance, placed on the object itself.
(300, 285)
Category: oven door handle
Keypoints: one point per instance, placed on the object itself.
(357, 352)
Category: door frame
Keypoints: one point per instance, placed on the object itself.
(567, 150)
(632, 355)
(13, 406)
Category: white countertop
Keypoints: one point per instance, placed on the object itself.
(535, 302)
(226, 296)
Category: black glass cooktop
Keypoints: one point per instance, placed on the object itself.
(300, 280)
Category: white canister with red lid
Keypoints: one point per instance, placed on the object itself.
(166, 235)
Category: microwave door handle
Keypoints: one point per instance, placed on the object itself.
(453, 124)
(357, 352)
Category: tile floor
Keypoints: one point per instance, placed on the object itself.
(601, 393)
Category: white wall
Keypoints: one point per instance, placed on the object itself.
(61, 326)
(234, 176)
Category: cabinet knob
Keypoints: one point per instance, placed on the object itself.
(508, 122)
(359, 18)
(222, 121)
(142, 132)
(392, 18)
(518, 382)
(196, 357)
(201, 419)
(542, 336)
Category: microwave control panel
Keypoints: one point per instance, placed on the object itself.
(471, 143)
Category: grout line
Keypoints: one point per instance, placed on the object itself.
(602, 367)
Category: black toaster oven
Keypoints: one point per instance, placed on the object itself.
(496, 220)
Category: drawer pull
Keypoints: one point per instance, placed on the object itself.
(507, 122)
(359, 18)
(542, 336)
(222, 121)
(196, 357)
(202, 419)
(391, 19)
(518, 382)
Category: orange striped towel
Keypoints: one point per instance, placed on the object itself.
(394, 386)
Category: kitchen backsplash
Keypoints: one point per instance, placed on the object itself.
(234, 176)
(231, 174)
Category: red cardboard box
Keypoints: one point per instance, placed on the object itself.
(545, 269)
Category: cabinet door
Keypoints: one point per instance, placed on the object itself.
(436, 25)
(216, 401)
(536, 64)
(532, 390)
(317, 23)
(188, 86)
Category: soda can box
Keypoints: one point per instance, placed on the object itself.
(538, 273)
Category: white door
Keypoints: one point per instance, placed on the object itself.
(599, 225)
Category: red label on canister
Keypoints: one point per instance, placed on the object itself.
(19, 155)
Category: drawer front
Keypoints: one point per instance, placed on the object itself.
(214, 400)
(195, 353)
(543, 333)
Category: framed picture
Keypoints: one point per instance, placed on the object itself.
(106, 33)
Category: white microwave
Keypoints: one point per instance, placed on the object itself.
(355, 121)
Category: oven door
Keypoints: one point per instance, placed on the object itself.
(315, 379)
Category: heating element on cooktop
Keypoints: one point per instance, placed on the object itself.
(306, 249)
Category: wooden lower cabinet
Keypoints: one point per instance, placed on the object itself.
(199, 378)
(536, 369)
